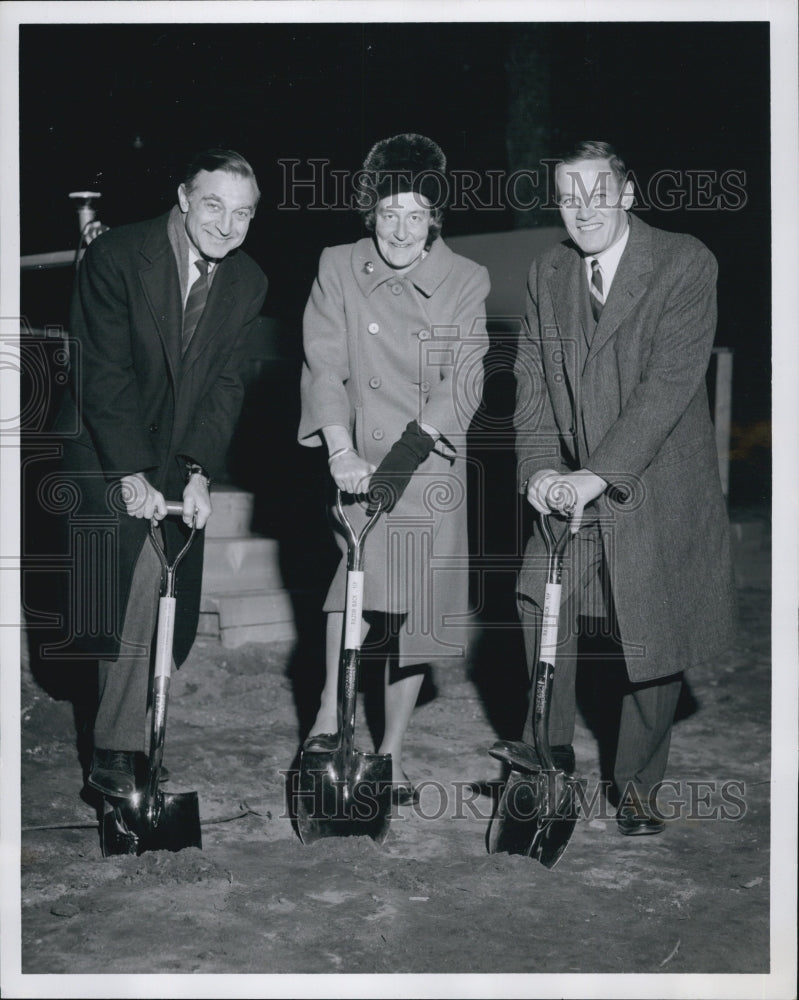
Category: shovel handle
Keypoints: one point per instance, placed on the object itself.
(355, 540)
(162, 662)
(556, 549)
(174, 508)
(353, 609)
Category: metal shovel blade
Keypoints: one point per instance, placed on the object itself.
(343, 795)
(130, 826)
(557, 828)
(525, 821)
(515, 825)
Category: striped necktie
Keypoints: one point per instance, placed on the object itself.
(597, 290)
(195, 303)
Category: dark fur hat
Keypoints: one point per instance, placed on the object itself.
(405, 162)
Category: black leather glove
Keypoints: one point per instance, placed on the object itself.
(391, 477)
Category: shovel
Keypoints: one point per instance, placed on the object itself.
(151, 820)
(346, 792)
(539, 808)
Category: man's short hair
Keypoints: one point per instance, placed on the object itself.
(592, 149)
(219, 159)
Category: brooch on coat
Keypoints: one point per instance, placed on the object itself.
(368, 267)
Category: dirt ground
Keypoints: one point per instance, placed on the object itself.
(430, 900)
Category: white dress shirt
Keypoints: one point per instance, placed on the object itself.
(608, 261)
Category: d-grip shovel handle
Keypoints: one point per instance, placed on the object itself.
(166, 605)
(162, 666)
(353, 609)
(354, 600)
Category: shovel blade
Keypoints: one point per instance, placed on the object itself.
(336, 797)
(516, 824)
(556, 830)
(128, 829)
(523, 823)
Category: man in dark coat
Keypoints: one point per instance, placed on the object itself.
(614, 435)
(159, 322)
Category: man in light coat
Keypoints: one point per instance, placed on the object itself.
(614, 435)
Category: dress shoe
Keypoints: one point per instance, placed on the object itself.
(403, 793)
(638, 822)
(522, 757)
(321, 743)
(113, 772)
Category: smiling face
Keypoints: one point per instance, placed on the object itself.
(402, 225)
(593, 203)
(217, 210)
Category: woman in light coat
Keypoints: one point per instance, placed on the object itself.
(394, 336)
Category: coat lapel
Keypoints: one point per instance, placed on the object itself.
(161, 287)
(629, 286)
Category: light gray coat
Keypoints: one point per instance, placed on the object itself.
(382, 350)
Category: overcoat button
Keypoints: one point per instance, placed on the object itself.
(153, 428)
(373, 328)
(396, 289)
(375, 382)
(424, 335)
(425, 387)
(377, 434)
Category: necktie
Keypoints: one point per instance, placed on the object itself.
(195, 303)
(597, 290)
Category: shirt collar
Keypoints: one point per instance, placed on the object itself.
(609, 259)
(193, 256)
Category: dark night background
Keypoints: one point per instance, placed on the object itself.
(120, 108)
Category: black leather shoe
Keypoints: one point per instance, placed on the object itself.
(522, 757)
(403, 793)
(321, 743)
(638, 822)
(113, 772)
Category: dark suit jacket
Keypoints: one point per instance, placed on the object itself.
(135, 405)
(633, 408)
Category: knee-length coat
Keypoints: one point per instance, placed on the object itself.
(633, 408)
(382, 350)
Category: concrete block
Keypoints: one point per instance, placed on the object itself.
(232, 512)
(254, 608)
(241, 564)
(275, 632)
